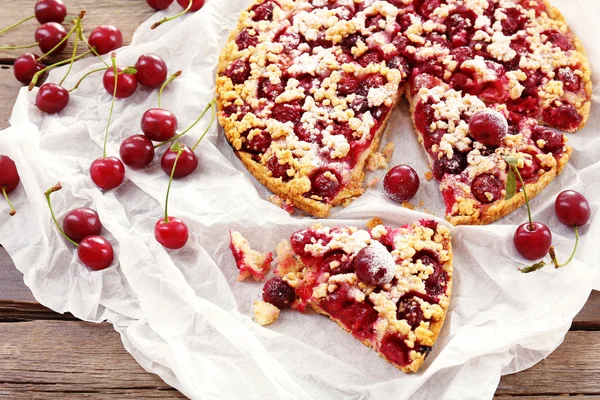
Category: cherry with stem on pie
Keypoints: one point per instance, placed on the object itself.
(94, 251)
(171, 232)
(108, 172)
(188, 161)
(159, 124)
(9, 179)
(189, 6)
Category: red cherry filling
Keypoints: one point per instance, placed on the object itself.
(410, 310)
(572, 208)
(245, 39)
(278, 170)
(462, 54)
(454, 165)
(564, 117)
(459, 25)
(277, 292)
(269, 90)
(487, 188)
(552, 141)
(286, 112)
(259, 143)
(360, 319)
(337, 262)
(571, 82)
(370, 57)
(289, 39)
(300, 239)
(348, 84)
(264, 11)
(513, 22)
(530, 168)
(424, 116)
(238, 71)
(395, 349)
(488, 127)
(559, 40)
(325, 184)
(426, 7)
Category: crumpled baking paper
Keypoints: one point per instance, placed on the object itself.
(182, 314)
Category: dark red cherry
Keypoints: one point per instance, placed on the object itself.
(530, 167)
(126, 86)
(277, 292)
(513, 22)
(51, 98)
(285, 112)
(559, 40)
(269, 90)
(238, 71)
(151, 70)
(410, 310)
(196, 4)
(259, 143)
(26, 65)
(572, 208)
(488, 127)
(9, 177)
(401, 183)
(337, 262)
(533, 241)
(159, 124)
(96, 253)
(106, 38)
(264, 11)
(571, 82)
(278, 170)
(49, 35)
(547, 140)
(81, 223)
(159, 4)
(564, 117)
(50, 11)
(454, 166)
(487, 188)
(173, 234)
(325, 184)
(107, 173)
(245, 39)
(348, 84)
(137, 151)
(374, 265)
(187, 163)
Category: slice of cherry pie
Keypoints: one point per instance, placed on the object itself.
(305, 88)
(389, 287)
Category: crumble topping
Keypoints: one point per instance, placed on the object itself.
(251, 263)
(265, 313)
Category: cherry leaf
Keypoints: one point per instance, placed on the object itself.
(176, 147)
(534, 267)
(511, 184)
(512, 161)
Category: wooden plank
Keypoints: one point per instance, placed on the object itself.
(125, 15)
(70, 357)
(32, 392)
(9, 87)
(12, 288)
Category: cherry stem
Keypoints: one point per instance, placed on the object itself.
(53, 189)
(167, 19)
(113, 59)
(58, 64)
(27, 46)
(12, 208)
(92, 48)
(556, 264)
(171, 78)
(518, 174)
(85, 76)
(212, 119)
(3, 31)
(188, 129)
(170, 182)
(73, 29)
(77, 29)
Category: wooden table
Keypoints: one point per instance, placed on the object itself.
(52, 356)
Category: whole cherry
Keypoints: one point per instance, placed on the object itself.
(401, 183)
(26, 66)
(9, 179)
(106, 38)
(127, 82)
(151, 70)
(107, 172)
(374, 265)
(533, 240)
(95, 252)
(81, 223)
(157, 123)
(488, 127)
(171, 232)
(278, 292)
(51, 98)
(50, 35)
(572, 208)
(50, 11)
(159, 4)
(137, 151)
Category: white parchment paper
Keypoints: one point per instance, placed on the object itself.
(182, 314)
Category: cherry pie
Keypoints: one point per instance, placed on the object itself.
(305, 88)
(389, 287)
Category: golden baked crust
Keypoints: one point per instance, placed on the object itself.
(425, 286)
(547, 53)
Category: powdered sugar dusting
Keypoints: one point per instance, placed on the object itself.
(381, 262)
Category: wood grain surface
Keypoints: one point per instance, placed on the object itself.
(44, 355)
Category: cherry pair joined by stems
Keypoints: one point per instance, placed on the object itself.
(9, 179)
(171, 232)
(93, 250)
(108, 172)
(44, 11)
(188, 162)
(188, 5)
(150, 70)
